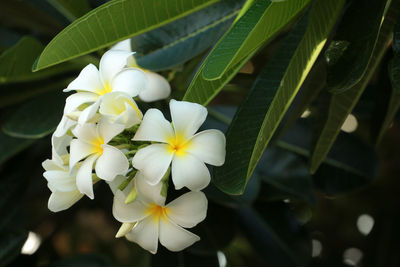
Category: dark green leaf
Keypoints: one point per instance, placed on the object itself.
(112, 22)
(71, 9)
(261, 112)
(276, 235)
(11, 242)
(249, 33)
(177, 42)
(342, 104)
(16, 62)
(9, 146)
(36, 118)
(359, 29)
(8, 38)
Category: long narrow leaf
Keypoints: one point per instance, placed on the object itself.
(267, 102)
(112, 22)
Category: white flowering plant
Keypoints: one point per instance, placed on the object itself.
(193, 133)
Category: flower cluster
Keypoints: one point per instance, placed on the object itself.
(103, 135)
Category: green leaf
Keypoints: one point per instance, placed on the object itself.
(112, 22)
(394, 100)
(359, 28)
(260, 114)
(276, 235)
(175, 43)
(71, 9)
(10, 146)
(341, 105)
(16, 62)
(11, 242)
(249, 33)
(35, 118)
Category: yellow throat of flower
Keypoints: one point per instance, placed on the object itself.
(97, 145)
(106, 89)
(178, 144)
(158, 212)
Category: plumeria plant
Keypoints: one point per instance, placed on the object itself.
(103, 135)
(218, 133)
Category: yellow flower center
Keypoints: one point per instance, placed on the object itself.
(106, 89)
(97, 145)
(157, 212)
(178, 144)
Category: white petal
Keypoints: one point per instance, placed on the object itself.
(188, 210)
(154, 127)
(130, 81)
(145, 234)
(157, 88)
(174, 237)
(147, 193)
(112, 62)
(60, 180)
(86, 132)
(111, 163)
(124, 45)
(153, 161)
(209, 146)
(119, 108)
(79, 151)
(114, 184)
(89, 112)
(84, 176)
(59, 201)
(189, 171)
(88, 80)
(129, 213)
(108, 131)
(59, 147)
(64, 125)
(51, 165)
(187, 117)
(75, 100)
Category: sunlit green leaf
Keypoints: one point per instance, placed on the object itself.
(272, 93)
(177, 42)
(342, 104)
(36, 118)
(114, 21)
(262, 21)
(359, 28)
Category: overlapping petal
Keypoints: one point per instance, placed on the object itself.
(187, 117)
(88, 80)
(145, 233)
(147, 193)
(79, 151)
(111, 163)
(209, 147)
(189, 209)
(154, 127)
(190, 172)
(157, 88)
(84, 176)
(59, 201)
(153, 161)
(129, 213)
(174, 237)
(112, 62)
(130, 81)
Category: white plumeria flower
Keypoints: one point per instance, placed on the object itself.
(112, 76)
(180, 145)
(91, 145)
(157, 86)
(120, 108)
(148, 219)
(61, 181)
